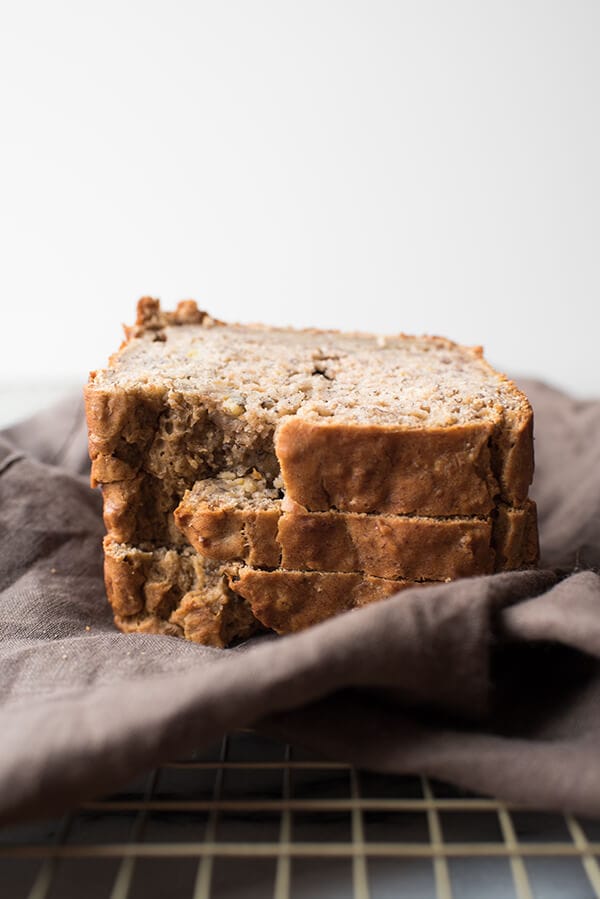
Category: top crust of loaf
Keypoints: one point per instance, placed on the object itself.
(269, 373)
(150, 317)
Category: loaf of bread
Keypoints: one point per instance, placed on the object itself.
(307, 471)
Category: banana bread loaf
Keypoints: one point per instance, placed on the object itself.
(377, 462)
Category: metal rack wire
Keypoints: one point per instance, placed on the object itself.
(256, 818)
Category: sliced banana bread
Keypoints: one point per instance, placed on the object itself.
(230, 518)
(379, 460)
(174, 592)
(179, 593)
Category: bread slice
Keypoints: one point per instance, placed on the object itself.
(289, 601)
(351, 422)
(174, 592)
(515, 537)
(229, 518)
(179, 593)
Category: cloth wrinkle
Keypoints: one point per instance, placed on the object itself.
(10, 459)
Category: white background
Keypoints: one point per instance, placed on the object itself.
(422, 166)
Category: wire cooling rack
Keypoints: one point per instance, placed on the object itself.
(253, 818)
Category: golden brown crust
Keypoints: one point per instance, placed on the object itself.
(171, 592)
(214, 621)
(124, 580)
(150, 317)
(139, 510)
(227, 534)
(516, 537)
(121, 427)
(385, 546)
(289, 601)
(512, 456)
(369, 468)
(120, 512)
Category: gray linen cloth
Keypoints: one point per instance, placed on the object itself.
(492, 683)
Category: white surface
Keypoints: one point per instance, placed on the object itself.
(20, 400)
(423, 166)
